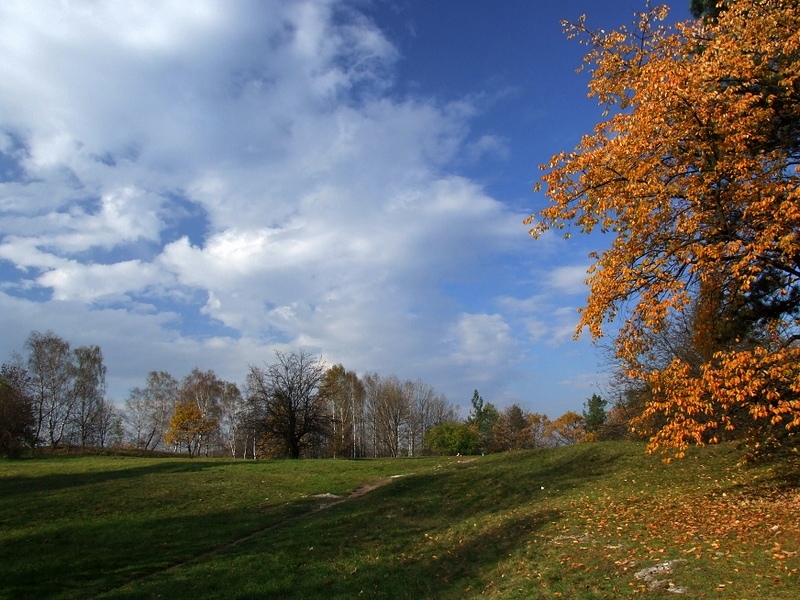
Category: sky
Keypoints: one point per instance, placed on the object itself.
(200, 184)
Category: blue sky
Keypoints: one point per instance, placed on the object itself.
(201, 183)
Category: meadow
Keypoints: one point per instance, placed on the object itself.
(599, 520)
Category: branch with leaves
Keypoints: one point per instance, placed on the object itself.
(695, 174)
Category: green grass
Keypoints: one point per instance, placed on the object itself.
(575, 522)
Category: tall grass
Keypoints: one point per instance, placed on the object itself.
(575, 522)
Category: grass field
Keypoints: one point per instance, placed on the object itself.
(585, 521)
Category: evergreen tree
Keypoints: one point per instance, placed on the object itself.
(594, 413)
(482, 418)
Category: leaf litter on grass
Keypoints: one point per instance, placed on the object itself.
(488, 529)
(737, 521)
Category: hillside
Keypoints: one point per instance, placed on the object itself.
(588, 521)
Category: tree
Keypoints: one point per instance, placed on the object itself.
(148, 410)
(346, 396)
(511, 430)
(68, 389)
(398, 415)
(390, 414)
(427, 409)
(482, 418)
(135, 418)
(189, 425)
(232, 418)
(452, 438)
(539, 429)
(50, 368)
(89, 390)
(707, 9)
(569, 428)
(289, 391)
(16, 410)
(594, 413)
(695, 174)
(205, 390)
(108, 425)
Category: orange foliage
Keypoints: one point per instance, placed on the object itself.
(695, 173)
(190, 426)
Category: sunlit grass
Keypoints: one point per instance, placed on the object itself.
(579, 522)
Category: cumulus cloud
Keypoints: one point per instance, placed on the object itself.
(482, 339)
(199, 183)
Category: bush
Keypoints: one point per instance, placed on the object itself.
(453, 438)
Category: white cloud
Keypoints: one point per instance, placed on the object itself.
(487, 146)
(569, 279)
(94, 282)
(557, 328)
(332, 214)
(482, 340)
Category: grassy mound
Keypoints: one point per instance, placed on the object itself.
(589, 521)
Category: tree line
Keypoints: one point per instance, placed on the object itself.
(488, 429)
(296, 406)
(56, 397)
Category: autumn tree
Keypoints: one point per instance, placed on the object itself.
(569, 428)
(707, 9)
(208, 393)
(511, 430)
(189, 426)
(293, 407)
(626, 408)
(695, 176)
(538, 429)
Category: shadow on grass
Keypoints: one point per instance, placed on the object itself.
(83, 558)
(435, 535)
(18, 485)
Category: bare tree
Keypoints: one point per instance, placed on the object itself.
(50, 369)
(149, 410)
(135, 418)
(390, 412)
(345, 394)
(399, 415)
(88, 389)
(232, 418)
(108, 425)
(295, 409)
(428, 409)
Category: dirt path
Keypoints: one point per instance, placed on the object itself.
(334, 501)
(330, 501)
